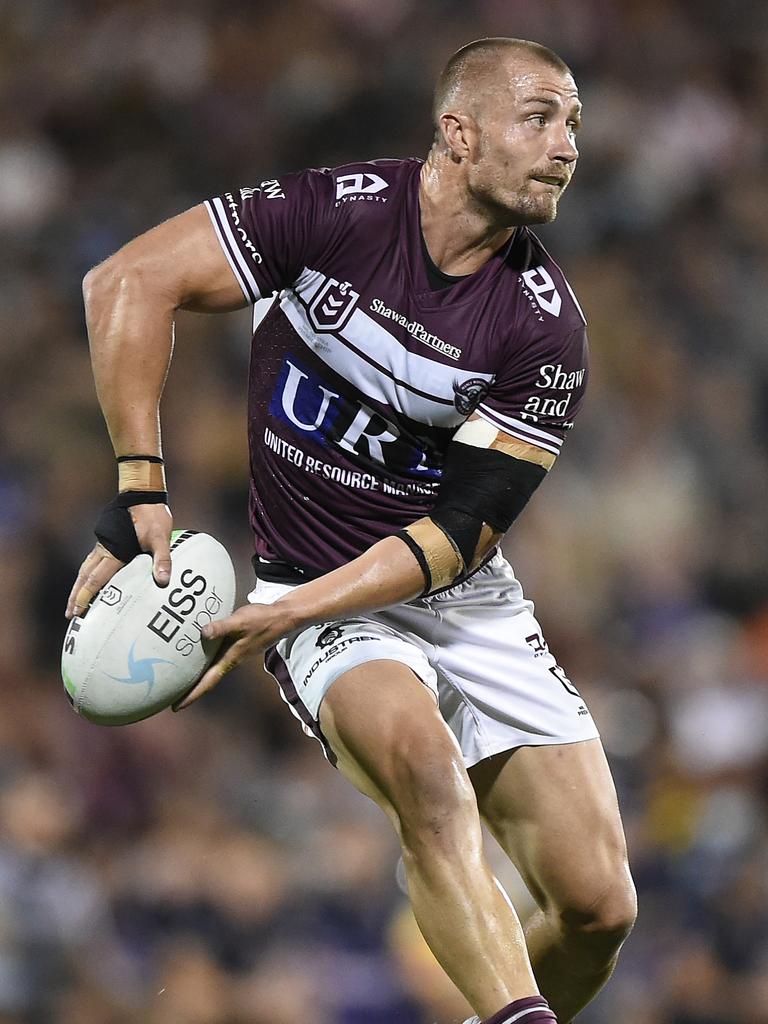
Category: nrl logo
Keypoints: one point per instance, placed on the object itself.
(333, 305)
(111, 595)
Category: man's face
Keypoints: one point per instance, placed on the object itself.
(526, 144)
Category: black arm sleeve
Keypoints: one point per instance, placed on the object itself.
(481, 485)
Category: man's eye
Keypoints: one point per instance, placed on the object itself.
(539, 119)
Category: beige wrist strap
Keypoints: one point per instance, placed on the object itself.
(140, 474)
(440, 554)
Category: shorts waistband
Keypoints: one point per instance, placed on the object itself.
(282, 572)
(285, 572)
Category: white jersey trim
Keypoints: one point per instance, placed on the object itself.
(223, 229)
(575, 301)
(522, 431)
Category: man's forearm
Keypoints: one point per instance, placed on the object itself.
(130, 330)
(386, 574)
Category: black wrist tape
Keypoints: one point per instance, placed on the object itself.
(115, 531)
(128, 498)
(114, 527)
(418, 552)
(140, 458)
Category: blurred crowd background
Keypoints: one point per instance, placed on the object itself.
(210, 867)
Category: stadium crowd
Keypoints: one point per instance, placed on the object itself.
(209, 867)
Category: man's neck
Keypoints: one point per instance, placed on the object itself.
(460, 236)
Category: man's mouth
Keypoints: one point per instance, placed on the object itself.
(551, 179)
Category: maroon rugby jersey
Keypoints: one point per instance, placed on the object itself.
(361, 373)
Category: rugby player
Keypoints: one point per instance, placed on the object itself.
(410, 387)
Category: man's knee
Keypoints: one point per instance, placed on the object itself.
(403, 756)
(603, 921)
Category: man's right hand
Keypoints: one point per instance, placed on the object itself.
(153, 525)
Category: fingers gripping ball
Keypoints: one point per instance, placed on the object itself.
(139, 647)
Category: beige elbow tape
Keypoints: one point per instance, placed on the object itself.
(440, 553)
(141, 476)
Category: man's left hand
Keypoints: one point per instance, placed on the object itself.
(246, 632)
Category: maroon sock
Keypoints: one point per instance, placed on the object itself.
(531, 1010)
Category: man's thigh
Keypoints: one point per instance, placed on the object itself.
(554, 811)
(384, 728)
(308, 664)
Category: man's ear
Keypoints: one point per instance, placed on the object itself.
(459, 134)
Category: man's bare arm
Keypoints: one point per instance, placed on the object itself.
(130, 305)
(388, 573)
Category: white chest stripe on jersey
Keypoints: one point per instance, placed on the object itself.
(371, 381)
(376, 362)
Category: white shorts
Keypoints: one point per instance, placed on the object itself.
(477, 647)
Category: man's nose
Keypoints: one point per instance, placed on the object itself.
(563, 148)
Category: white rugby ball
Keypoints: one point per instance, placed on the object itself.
(139, 648)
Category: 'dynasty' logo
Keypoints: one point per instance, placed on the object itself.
(141, 670)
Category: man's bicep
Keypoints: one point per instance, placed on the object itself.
(183, 261)
(479, 433)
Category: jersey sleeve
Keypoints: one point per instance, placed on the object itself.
(271, 231)
(536, 398)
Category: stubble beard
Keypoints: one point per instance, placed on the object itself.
(519, 207)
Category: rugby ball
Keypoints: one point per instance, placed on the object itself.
(138, 648)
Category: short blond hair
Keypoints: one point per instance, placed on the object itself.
(479, 57)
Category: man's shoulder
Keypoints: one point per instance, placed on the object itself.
(543, 283)
(369, 183)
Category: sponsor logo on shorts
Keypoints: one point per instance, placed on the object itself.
(333, 643)
(538, 644)
(329, 636)
(540, 647)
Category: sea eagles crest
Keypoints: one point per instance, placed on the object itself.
(333, 305)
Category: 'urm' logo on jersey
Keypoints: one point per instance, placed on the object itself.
(308, 405)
